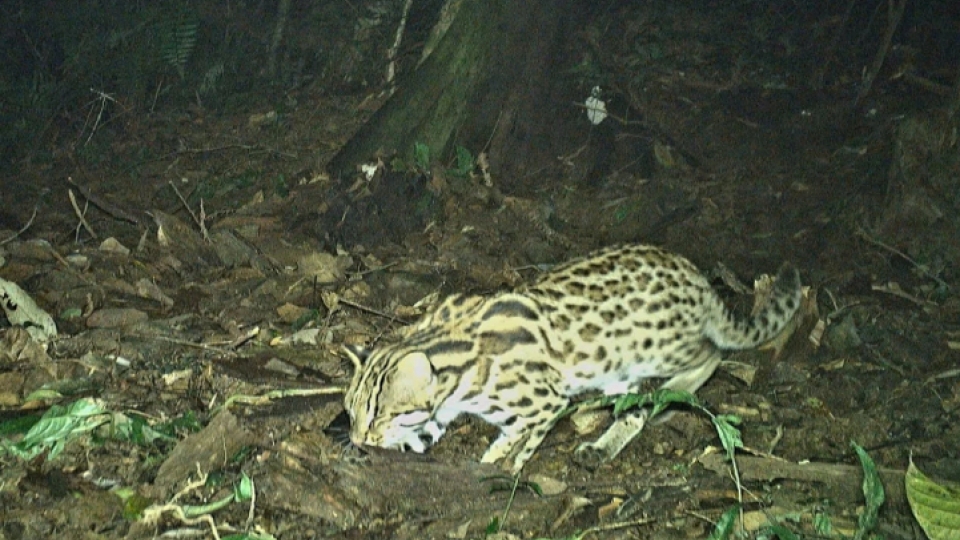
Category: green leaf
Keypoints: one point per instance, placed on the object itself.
(464, 162)
(534, 487)
(724, 528)
(822, 524)
(244, 490)
(421, 156)
(136, 430)
(936, 507)
(20, 425)
(664, 397)
(58, 426)
(493, 527)
(782, 532)
(872, 492)
(729, 435)
(628, 401)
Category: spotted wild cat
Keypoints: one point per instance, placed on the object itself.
(604, 322)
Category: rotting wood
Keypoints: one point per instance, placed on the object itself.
(843, 481)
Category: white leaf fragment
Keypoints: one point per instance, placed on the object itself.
(22, 311)
(596, 108)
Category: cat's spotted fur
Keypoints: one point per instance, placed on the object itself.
(604, 322)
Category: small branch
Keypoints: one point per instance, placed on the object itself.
(103, 99)
(80, 215)
(392, 52)
(196, 220)
(203, 222)
(23, 230)
(227, 147)
(955, 103)
(894, 16)
(283, 13)
(103, 205)
(863, 234)
(361, 307)
(185, 343)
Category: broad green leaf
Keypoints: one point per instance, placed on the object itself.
(936, 507)
(58, 426)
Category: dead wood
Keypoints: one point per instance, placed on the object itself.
(843, 482)
(430, 499)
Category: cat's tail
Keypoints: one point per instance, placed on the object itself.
(727, 331)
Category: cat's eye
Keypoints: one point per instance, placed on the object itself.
(412, 419)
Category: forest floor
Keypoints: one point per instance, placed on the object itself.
(204, 338)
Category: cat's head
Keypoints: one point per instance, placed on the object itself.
(390, 399)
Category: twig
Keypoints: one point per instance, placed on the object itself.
(894, 15)
(283, 14)
(203, 222)
(153, 513)
(269, 397)
(615, 526)
(955, 102)
(928, 85)
(356, 275)
(831, 50)
(196, 220)
(23, 230)
(108, 208)
(202, 346)
(80, 215)
(361, 307)
(392, 52)
(103, 98)
(923, 270)
(156, 95)
(227, 147)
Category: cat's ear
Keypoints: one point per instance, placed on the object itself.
(416, 369)
(412, 379)
(357, 355)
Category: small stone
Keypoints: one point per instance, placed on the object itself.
(112, 245)
(279, 366)
(548, 485)
(78, 260)
(306, 336)
(589, 420)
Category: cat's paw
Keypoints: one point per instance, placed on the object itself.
(590, 455)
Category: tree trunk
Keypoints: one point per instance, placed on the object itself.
(483, 85)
